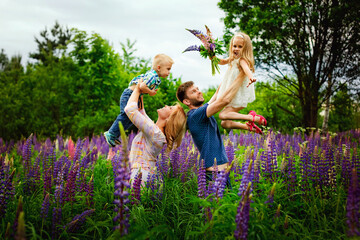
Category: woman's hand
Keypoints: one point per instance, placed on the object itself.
(138, 85)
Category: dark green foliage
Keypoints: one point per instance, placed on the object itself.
(345, 114)
(310, 39)
(73, 88)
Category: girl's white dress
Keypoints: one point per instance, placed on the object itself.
(245, 94)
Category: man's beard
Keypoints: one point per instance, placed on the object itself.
(196, 103)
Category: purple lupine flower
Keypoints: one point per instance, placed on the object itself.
(198, 34)
(57, 166)
(356, 160)
(56, 220)
(353, 206)
(60, 143)
(230, 151)
(153, 183)
(45, 207)
(78, 148)
(59, 190)
(6, 187)
(70, 184)
(247, 177)
(78, 220)
(174, 161)
(163, 162)
(257, 168)
(219, 185)
(305, 172)
(136, 189)
(330, 167)
(26, 154)
(47, 180)
(36, 174)
(202, 193)
(290, 173)
(184, 162)
(192, 48)
(121, 199)
(243, 214)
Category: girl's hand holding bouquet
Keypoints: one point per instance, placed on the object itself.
(210, 48)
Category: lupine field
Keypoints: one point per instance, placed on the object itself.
(283, 187)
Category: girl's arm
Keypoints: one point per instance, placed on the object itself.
(222, 61)
(245, 67)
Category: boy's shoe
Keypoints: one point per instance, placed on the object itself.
(109, 139)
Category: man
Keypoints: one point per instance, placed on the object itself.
(203, 126)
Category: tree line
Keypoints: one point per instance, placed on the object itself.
(74, 81)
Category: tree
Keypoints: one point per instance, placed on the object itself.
(343, 111)
(14, 100)
(132, 63)
(51, 46)
(317, 40)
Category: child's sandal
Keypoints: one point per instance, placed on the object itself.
(253, 125)
(262, 119)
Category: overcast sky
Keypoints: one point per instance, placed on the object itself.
(158, 26)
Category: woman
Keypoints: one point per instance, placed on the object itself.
(147, 144)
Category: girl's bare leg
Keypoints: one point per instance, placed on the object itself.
(234, 125)
(231, 113)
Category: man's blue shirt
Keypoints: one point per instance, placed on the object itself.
(206, 135)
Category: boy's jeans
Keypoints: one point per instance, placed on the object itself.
(122, 117)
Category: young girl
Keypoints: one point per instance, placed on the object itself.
(241, 68)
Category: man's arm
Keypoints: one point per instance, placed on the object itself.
(213, 98)
(226, 98)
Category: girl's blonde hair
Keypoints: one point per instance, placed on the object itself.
(175, 127)
(247, 51)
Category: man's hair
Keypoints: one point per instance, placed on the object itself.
(160, 59)
(181, 91)
(175, 127)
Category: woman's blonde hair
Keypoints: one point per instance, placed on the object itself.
(175, 127)
(247, 51)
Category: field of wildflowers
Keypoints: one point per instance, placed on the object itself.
(283, 187)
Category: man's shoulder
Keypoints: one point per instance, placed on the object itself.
(197, 112)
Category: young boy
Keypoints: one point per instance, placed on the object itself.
(151, 80)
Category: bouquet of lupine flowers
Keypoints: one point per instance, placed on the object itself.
(210, 48)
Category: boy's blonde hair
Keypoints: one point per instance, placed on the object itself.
(175, 127)
(247, 51)
(160, 59)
